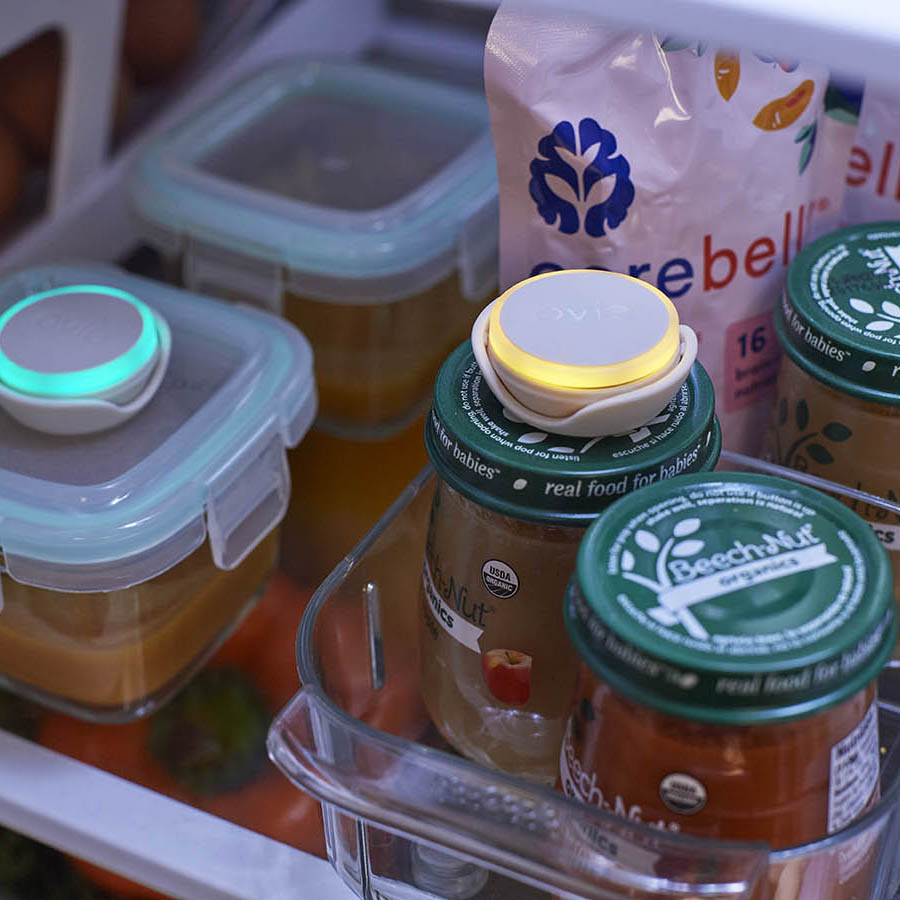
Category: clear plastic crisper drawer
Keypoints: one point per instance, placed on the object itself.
(406, 818)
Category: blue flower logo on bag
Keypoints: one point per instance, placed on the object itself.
(581, 183)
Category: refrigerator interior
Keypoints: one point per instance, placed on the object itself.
(87, 812)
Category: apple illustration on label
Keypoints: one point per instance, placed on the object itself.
(507, 674)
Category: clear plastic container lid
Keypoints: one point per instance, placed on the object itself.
(204, 459)
(364, 183)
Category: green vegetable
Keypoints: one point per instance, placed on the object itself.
(212, 736)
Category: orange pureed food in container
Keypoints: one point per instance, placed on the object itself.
(128, 554)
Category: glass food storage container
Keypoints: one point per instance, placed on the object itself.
(511, 506)
(128, 554)
(404, 818)
(837, 413)
(732, 628)
(362, 205)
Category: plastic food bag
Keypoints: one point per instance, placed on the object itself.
(698, 168)
(873, 174)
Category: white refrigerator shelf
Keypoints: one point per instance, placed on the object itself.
(147, 837)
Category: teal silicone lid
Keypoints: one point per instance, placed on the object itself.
(839, 318)
(509, 466)
(203, 461)
(733, 598)
(334, 169)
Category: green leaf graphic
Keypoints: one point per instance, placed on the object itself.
(805, 156)
(819, 454)
(843, 104)
(837, 432)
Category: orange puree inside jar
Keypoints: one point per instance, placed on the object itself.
(731, 629)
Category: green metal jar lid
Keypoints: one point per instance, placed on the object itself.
(506, 465)
(840, 312)
(733, 598)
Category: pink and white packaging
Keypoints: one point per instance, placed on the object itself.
(701, 170)
(873, 173)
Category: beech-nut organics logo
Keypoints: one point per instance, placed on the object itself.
(679, 578)
(680, 544)
(580, 180)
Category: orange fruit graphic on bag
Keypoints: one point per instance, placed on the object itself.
(785, 110)
(727, 68)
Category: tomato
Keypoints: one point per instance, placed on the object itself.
(165, 752)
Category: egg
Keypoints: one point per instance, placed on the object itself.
(29, 92)
(29, 85)
(12, 173)
(159, 36)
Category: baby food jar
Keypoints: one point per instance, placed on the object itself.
(732, 628)
(510, 508)
(128, 553)
(361, 204)
(838, 399)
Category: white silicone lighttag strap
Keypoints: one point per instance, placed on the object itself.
(607, 411)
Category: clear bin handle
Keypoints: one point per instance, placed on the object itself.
(526, 831)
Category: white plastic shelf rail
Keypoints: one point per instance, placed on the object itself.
(859, 38)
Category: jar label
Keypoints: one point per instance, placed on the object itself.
(841, 439)
(854, 772)
(458, 628)
(889, 535)
(499, 578)
(581, 784)
(682, 793)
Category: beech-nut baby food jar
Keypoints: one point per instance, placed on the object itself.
(510, 508)
(837, 413)
(129, 552)
(731, 629)
(361, 204)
